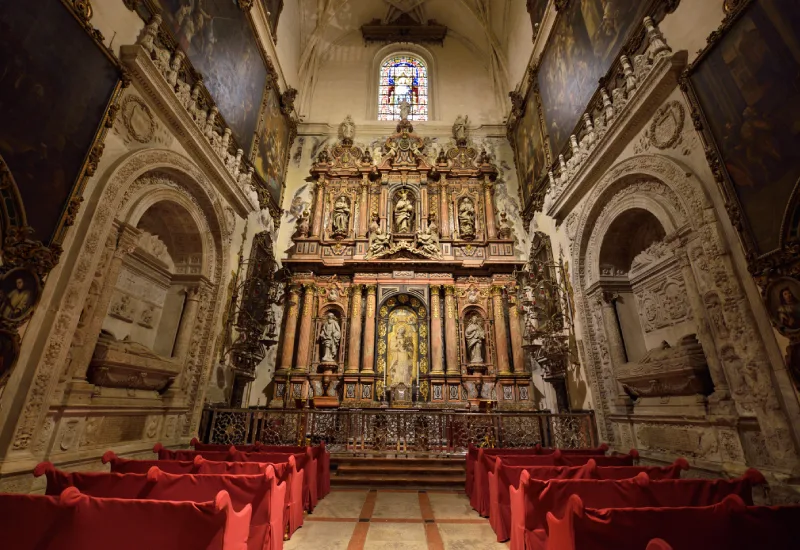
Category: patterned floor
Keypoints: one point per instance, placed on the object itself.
(359, 519)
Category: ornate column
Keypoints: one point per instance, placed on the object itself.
(354, 348)
(451, 332)
(304, 345)
(444, 226)
(488, 191)
(368, 359)
(721, 389)
(183, 339)
(436, 331)
(290, 328)
(363, 211)
(126, 243)
(318, 208)
(501, 344)
(517, 351)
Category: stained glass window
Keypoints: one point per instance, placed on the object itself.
(403, 78)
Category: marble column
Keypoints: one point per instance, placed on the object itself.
(183, 339)
(126, 242)
(450, 330)
(616, 345)
(515, 328)
(368, 359)
(444, 226)
(305, 344)
(500, 334)
(290, 328)
(436, 331)
(363, 212)
(318, 208)
(354, 351)
(721, 389)
(488, 192)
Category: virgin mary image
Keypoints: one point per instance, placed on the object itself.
(402, 357)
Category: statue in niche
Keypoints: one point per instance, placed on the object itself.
(403, 348)
(404, 212)
(466, 218)
(341, 216)
(378, 239)
(460, 130)
(347, 129)
(475, 336)
(329, 337)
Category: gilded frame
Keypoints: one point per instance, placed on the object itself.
(423, 339)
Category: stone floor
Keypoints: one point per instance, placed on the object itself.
(360, 519)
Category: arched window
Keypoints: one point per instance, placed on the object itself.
(403, 77)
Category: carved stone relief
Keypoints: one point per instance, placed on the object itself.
(662, 302)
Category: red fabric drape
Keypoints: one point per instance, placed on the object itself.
(73, 521)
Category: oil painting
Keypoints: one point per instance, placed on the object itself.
(402, 346)
(783, 304)
(748, 88)
(270, 157)
(220, 43)
(19, 293)
(536, 9)
(530, 148)
(53, 99)
(274, 9)
(586, 39)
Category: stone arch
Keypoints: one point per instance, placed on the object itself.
(116, 191)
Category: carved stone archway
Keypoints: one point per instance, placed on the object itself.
(726, 326)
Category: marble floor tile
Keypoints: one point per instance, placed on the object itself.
(321, 536)
(469, 537)
(397, 506)
(451, 506)
(396, 536)
(341, 504)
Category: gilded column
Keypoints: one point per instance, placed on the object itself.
(290, 328)
(517, 351)
(304, 346)
(354, 351)
(444, 227)
(488, 191)
(501, 343)
(363, 212)
(318, 208)
(183, 339)
(436, 331)
(451, 331)
(368, 359)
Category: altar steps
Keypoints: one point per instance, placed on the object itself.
(443, 473)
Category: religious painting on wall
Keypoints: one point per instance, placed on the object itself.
(586, 39)
(402, 344)
(747, 86)
(403, 78)
(54, 95)
(529, 148)
(536, 9)
(271, 154)
(220, 43)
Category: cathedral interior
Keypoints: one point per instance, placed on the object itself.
(568, 218)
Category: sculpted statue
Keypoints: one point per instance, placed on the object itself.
(466, 218)
(378, 240)
(475, 336)
(347, 129)
(460, 128)
(341, 216)
(428, 240)
(405, 110)
(404, 213)
(329, 337)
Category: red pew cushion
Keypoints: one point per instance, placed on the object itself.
(74, 521)
(197, 466)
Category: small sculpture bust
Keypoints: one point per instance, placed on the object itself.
(329, 337)
(475, 335)
(347, 129)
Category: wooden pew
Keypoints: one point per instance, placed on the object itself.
(197, 466)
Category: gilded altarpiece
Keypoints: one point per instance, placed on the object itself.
(401, 278)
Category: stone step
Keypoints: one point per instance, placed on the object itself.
(404, 461)
(392, 468)
(406, 480)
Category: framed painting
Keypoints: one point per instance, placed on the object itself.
(536, 9)
(745, 87)
(219, 41)
(274, 9)
(529, 141)
(586, 39)
(271, 148)
(55, 97)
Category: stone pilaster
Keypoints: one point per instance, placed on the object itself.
(363, 208)
(500, 334)
(290, 328)
(368, 358)
(318, 208)
(451, 331)
(305, 344)
(444, 226)
(183, 339)
(515, 329)
(354, 351)
(488, 191)
(437, 366)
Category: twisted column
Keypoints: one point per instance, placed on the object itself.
(450, 330)
(437, 366)
(290, 328)
(501, 344)
(368, 359)
(354, 352)
(305, 344)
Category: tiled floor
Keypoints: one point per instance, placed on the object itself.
(394, 520)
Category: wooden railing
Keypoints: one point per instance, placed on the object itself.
(424, 431)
